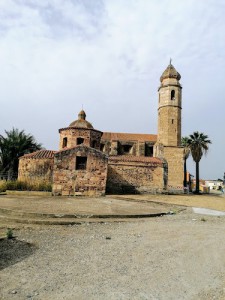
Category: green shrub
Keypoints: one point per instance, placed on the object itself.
(9, 233)
(28, 186)
(3, 186)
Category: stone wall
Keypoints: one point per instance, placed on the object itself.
(174, 158)
(35, 170)
(128, 175)
(89, 136)
(169, 126)
(68, 180)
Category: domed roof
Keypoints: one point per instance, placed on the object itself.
(170, 72)
(81, 122)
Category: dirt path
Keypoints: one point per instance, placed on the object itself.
(179, 256)
(214, 200)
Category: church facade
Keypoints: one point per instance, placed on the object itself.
(91, 162)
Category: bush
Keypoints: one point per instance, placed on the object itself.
(3, 186)
(28, 186)
(9, 233)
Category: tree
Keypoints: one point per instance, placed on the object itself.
(198, 144)
(186, 153)
(15, 144)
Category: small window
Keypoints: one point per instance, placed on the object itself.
(80, 141)
(172, 95)
(172, 121)
(94, 144)
(64, 142)
(102, 147)
(81, 163)
(148, 150)
(126, 149)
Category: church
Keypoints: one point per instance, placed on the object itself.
(90, 162)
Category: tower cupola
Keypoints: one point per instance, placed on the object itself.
(81, 122)
(170, 72)
(79, 132)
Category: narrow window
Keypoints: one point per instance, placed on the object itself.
(102, 147)
(172, 95)
(81, 163)
(172, 121)
(94, 144)
(80, 141)
(64, 142)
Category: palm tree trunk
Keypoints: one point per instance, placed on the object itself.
(197, 178)
(185, 172)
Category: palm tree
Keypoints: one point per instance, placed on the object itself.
(15, 144)
(198, 144)
(186, 153)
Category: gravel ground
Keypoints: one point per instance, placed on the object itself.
(180, 256)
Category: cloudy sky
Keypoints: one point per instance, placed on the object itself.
(108, 55)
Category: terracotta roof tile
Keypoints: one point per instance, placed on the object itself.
(41, 154)
(129, 137)
(131, 158)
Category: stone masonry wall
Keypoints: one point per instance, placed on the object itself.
(169, 126)
(134, 177)
(73, 133)
(174, 158)
(89, 182)
(37, 170)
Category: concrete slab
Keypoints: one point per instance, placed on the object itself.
(206, 211)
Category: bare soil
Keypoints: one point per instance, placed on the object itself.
(177, 256)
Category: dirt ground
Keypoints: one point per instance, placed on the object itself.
(177, 256)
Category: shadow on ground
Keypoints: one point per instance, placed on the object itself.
(13, 251)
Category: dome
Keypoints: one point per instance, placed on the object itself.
(170, 72)
(81, 122)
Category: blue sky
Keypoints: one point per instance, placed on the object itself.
(108, 56)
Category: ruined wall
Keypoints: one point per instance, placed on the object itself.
(35, 170)
(135, 175)
(91, 181)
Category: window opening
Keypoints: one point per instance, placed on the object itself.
(81, 163)
(172, 95)
(148, 150)
(126, 149)
(80, 141)
(94, 144)
(64, 142)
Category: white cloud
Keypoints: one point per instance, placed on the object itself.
(108, 55)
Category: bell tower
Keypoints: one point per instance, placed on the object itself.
(169, 108)
(168, 146)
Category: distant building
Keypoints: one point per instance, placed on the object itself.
(90, 162)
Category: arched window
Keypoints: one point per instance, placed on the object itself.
(80, 141)
(172, 95)
(64, 142)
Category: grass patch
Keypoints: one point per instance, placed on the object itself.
(16, 185)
